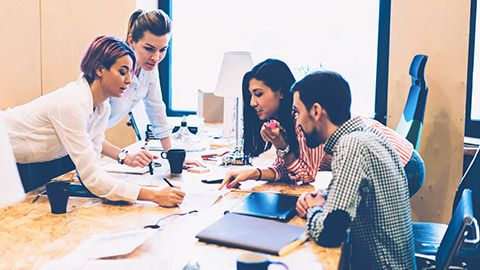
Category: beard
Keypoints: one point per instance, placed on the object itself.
(313, 138)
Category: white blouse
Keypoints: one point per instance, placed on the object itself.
(65, 122)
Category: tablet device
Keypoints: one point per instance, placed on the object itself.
(267, 205)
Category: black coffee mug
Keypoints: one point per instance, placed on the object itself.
(255, 261)
(175, 157)
(58, 193)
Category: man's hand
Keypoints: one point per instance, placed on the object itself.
(308, 200)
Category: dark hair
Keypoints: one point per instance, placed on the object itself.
(156, 21)
(330, 90)
(276, 75)
(103, 51)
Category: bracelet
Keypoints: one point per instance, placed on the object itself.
(260, 174)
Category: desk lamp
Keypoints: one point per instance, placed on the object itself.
(11, 189)
(229, 85)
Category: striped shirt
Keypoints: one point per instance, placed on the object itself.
(403, 147)
(305, 167)
(367, 199)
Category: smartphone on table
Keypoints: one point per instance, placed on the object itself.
(212, 181)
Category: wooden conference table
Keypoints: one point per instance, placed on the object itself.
(32, 237)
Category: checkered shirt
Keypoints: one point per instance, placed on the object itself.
(367, 199)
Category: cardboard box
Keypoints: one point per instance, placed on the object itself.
(210, 107)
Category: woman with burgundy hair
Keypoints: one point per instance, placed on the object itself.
(72, 121)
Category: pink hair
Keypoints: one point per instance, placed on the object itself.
(103, 51)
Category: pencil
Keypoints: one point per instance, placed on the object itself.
(168, 182)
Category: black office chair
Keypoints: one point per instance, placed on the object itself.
(458, 228)
(429, 235)
(411, 123)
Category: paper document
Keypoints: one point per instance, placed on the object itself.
(200, 197)
(110, 244)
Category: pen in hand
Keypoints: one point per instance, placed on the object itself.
(271, 124)
(150, 165)
(168, 182)
(267, 146)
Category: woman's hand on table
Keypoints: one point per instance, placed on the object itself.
(140, 159)
(235, 177)
(188, 163)
(168, 197)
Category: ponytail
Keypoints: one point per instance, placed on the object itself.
(156, 21)
(132, 20)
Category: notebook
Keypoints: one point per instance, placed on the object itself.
(267, 205)
(255, 234)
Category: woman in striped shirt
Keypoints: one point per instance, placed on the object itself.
(268, 120)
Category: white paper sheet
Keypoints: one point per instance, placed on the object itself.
(110, 244)
(199, 197)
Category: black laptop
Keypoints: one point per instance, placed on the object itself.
(267, 205)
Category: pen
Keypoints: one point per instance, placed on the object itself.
(36, 198)
(168, 182)
(267, 145)
(269, 124)
(150, 168)
(150, 165)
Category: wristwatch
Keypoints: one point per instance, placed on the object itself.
(281, 153)
(122, 156)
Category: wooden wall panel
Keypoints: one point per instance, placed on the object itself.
(20, 52)
(67, 28)
(43, 46)
(440, 30)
